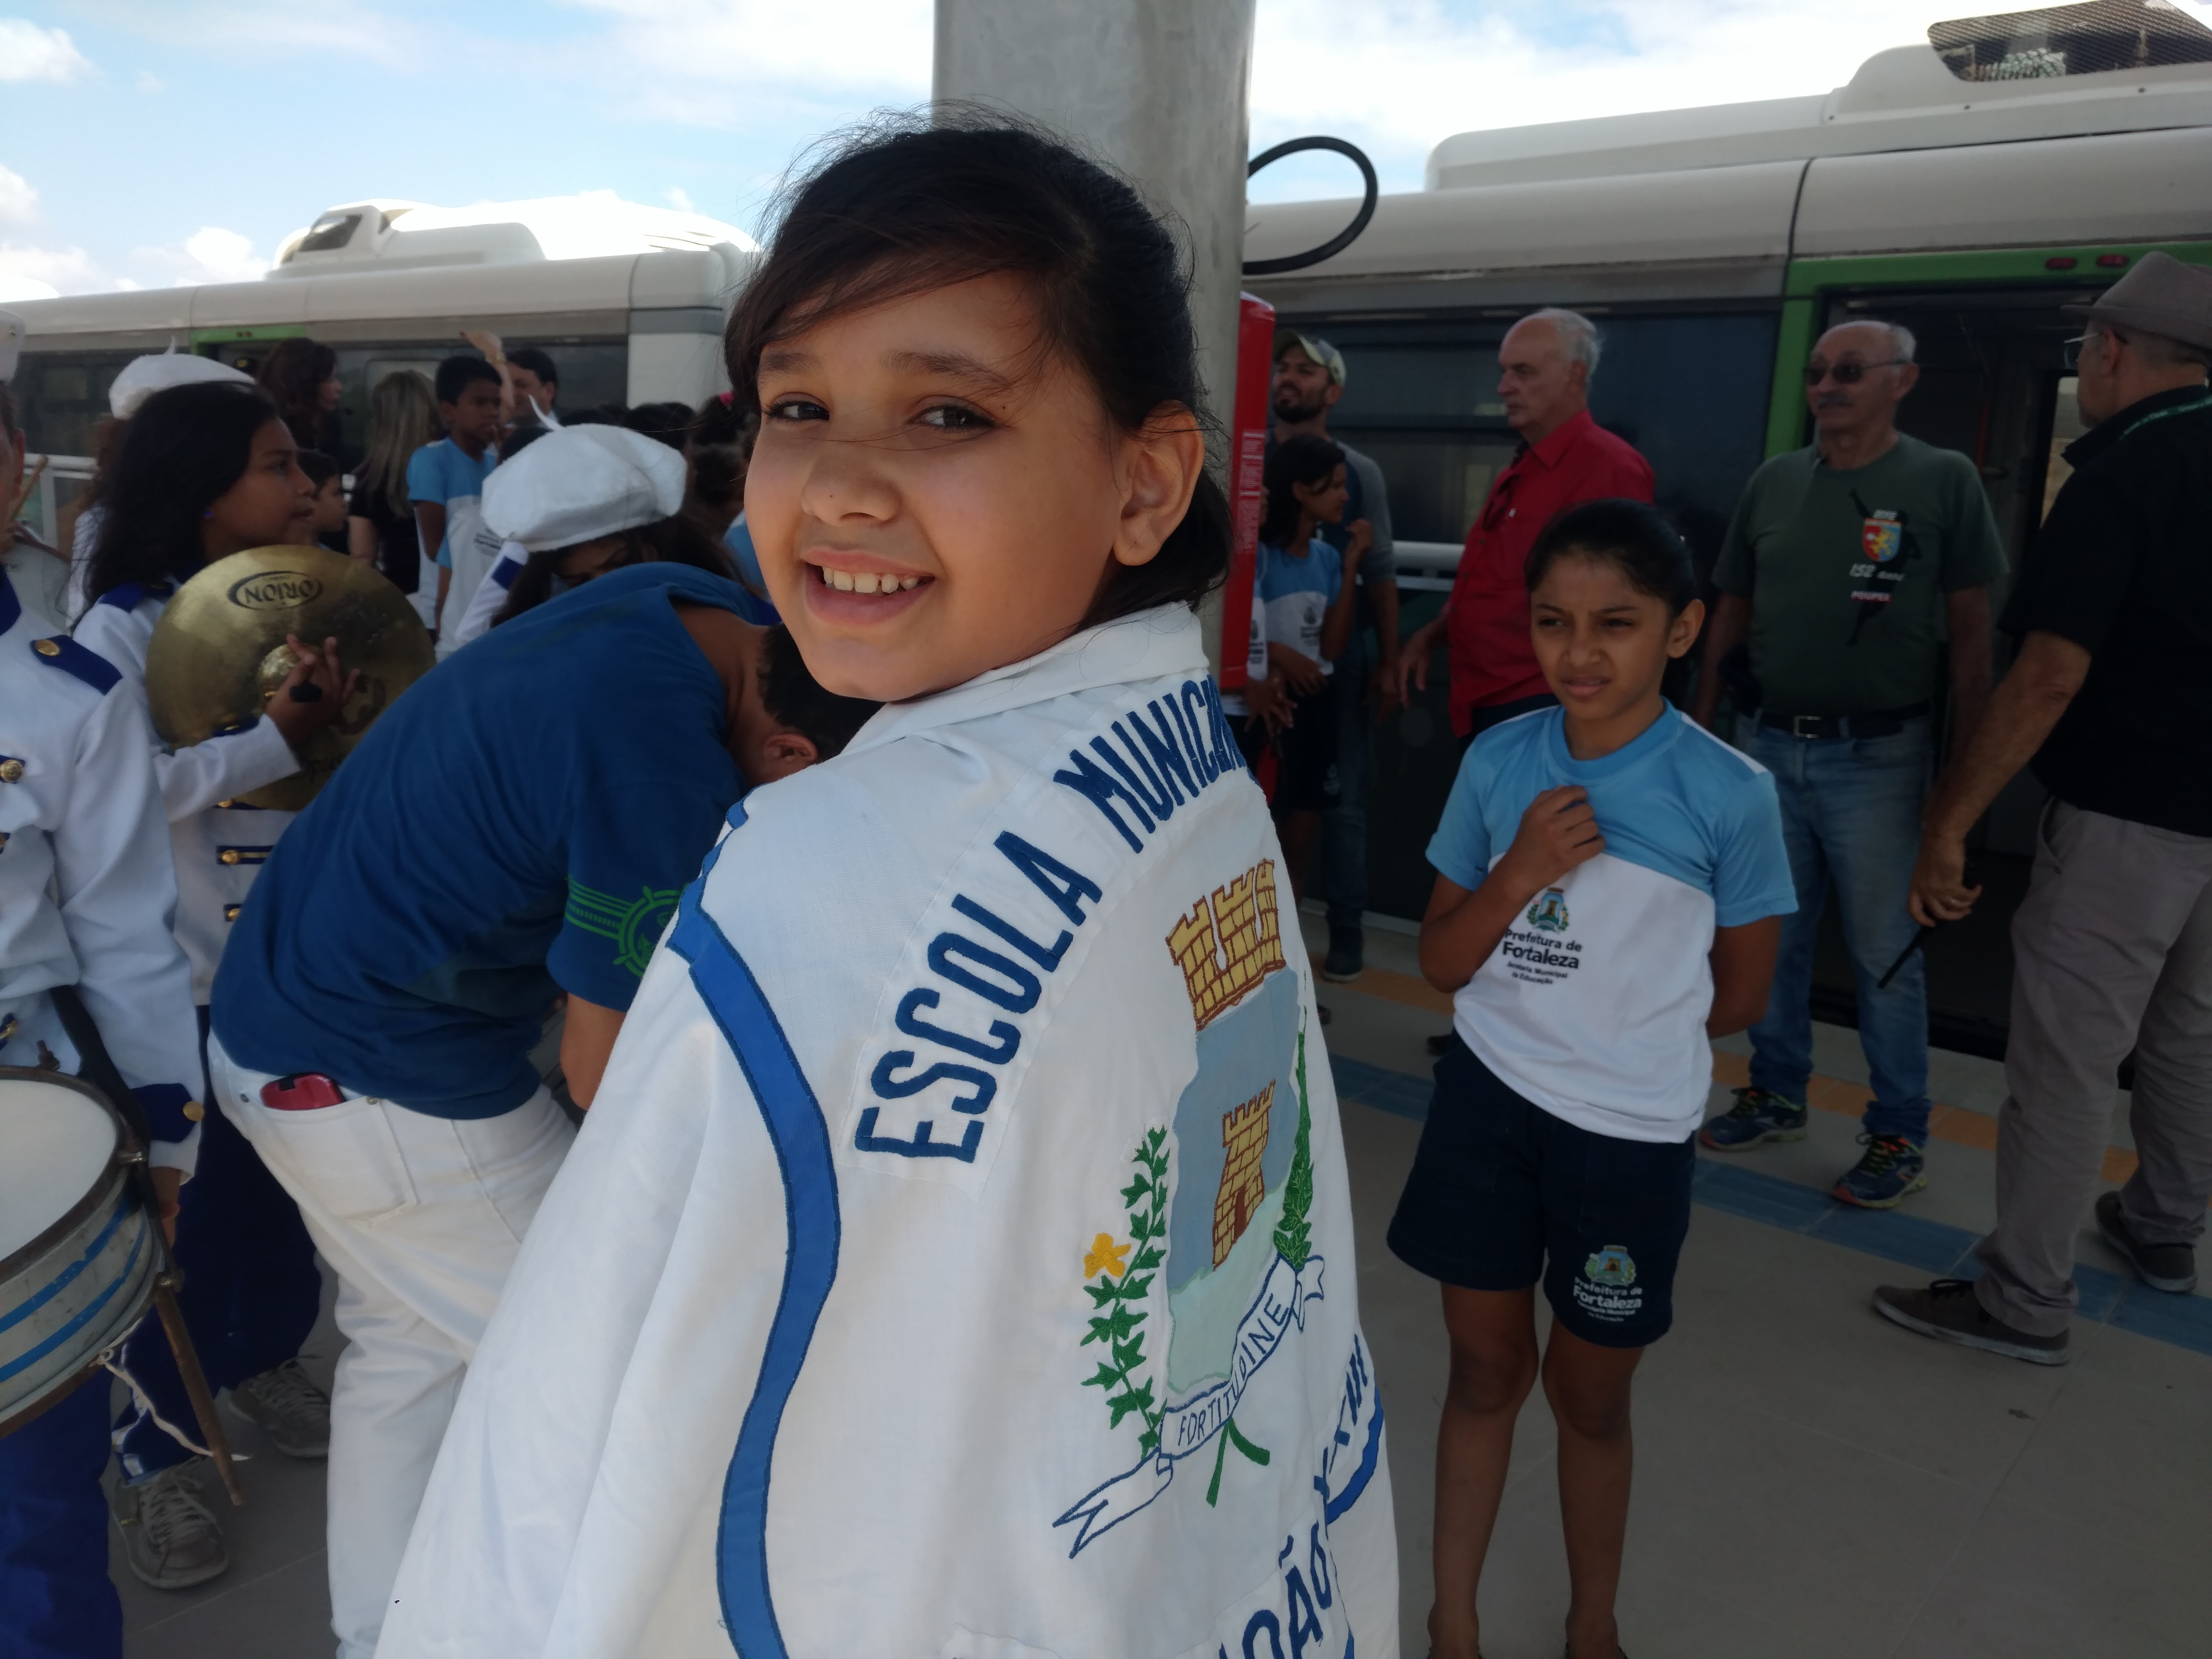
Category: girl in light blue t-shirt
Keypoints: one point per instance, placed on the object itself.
(1609, 889)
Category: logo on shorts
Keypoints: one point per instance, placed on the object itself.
(1608, 1290)
(1881, 536)
(1549, 915)
(1611, 1266)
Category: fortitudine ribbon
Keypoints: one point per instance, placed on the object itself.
(1191, 1426)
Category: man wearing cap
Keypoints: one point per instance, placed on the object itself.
(1853, 571)
(1308, 381)
(2110, 704)
(376, 1014)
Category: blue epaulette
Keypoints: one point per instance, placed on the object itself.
(88, 666)
(125, 597)
(11, 607)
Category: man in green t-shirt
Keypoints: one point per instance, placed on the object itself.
(1848, 567)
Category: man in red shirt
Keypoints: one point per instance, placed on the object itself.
(1545, 364)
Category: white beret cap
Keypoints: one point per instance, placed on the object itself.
(580, 483)
(11, 343)
(141, 377)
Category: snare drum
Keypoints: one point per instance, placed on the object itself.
(77, 1254)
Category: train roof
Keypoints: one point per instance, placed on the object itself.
(584, 264)
(1712, 203)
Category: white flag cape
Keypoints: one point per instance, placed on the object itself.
(958, 1261)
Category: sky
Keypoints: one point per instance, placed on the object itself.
(147, 142)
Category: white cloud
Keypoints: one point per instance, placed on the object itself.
(210, 254)
(266, 29)
(1398, 75)
(40, 273)
(149, 82)
(748, 47)
(18, 202)
(29, 53)
(680, 198)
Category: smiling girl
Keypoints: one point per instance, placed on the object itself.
(957, 1259)
(1609, 885)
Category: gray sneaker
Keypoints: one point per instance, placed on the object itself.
(1949, 1311)
(170, 1536)
(289, 1408)
(2168, 1267)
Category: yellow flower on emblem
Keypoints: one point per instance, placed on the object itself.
(1105, 1256)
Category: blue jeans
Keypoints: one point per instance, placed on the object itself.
(1343, 848)
(1851, 811)
(55, 1600)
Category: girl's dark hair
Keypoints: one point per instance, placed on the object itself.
(677, 540)
(1306, 459)
(669, 422)
(796, 700)
(1631, 535)
(905, 208)
(180, 451)
(293, 376)
(319, 467)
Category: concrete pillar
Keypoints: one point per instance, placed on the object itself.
(1160, 87)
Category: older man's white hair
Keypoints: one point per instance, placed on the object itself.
(1576, 333)
(1902, 344)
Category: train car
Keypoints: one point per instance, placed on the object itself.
(1966, 187)
(630, 300)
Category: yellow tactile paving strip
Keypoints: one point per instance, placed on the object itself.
(1953, 1123)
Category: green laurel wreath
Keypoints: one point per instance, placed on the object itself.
(1120, 1301)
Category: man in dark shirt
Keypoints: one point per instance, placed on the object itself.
(2111, 703)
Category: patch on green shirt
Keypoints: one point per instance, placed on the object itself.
(634, 924)
(1847, 573)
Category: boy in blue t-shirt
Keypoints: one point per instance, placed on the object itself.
(446, 478)
(1310, 593)
(1609, 890)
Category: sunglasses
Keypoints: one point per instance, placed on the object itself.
(1847, 373)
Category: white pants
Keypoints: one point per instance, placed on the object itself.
(421, 1217)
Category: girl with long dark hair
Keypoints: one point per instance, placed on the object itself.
(301, 379)
(948, 1274)
(204, 471)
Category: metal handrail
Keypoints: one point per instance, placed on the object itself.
(43, 508)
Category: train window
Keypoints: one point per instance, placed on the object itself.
(592, 372)
(2065, 427)
(332, 230)
(2077, 40)
(1690, 392)
(63, 396)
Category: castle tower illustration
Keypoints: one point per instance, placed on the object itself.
(1226, 946)
(1243, 1188)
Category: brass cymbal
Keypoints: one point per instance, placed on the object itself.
(218, 652)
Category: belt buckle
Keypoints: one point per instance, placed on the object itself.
(1797, 725)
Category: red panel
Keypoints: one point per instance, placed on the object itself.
(1248, 446)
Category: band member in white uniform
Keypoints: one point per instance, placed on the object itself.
(86, 899)
(959, 1260)
(205, 471)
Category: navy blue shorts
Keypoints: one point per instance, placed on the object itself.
(1503, 1194)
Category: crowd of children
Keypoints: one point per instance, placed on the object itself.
(957, 1258)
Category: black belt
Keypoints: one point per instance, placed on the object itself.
(1883, 723)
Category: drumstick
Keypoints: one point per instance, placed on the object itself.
(99, 1070)
(195, 1380)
